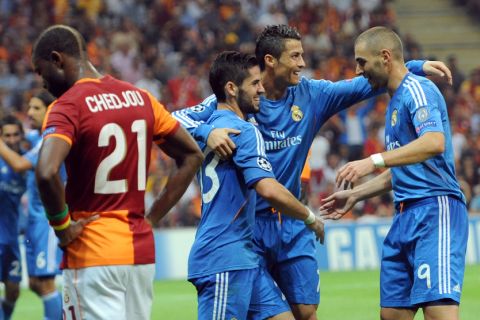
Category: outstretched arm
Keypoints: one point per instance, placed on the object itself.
(338, 204)
(188, 157)
(419, 150)
(282, 200)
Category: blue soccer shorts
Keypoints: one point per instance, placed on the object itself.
(43, 254)
(287, 250)
(424, 253)
(240, 294)
(10, 263)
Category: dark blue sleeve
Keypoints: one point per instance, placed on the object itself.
(193, 119)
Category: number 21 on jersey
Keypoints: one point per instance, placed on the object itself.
(103, 185)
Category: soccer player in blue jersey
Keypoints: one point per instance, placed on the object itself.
(223, 265)
(292, 112)
(12, 187)
(43, 254)
(422, 266)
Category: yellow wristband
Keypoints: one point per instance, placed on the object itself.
(63, 226)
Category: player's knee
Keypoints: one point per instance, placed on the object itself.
(32, 284)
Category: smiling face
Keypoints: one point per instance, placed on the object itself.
(290, 63)
(250, 91)
(370, 65)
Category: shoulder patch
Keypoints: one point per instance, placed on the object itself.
(48, 131)
(264, 164)
(198, 108)
(422, 114)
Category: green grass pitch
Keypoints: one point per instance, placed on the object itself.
(345, 295)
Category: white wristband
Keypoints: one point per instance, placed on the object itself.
(378, 161)
(311, 217)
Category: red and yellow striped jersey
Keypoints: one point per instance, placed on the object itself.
(110, 125)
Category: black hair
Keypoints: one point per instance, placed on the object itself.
(59, 38)
(229, 66)
(272, 41)
(45, 97)
(11, 120)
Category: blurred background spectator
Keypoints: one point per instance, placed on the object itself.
(166, 46)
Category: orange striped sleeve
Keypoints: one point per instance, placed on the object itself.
(61, 136)
(164, 124)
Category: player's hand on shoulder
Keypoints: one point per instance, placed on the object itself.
(219, 141)
(352, 171)
(74, 230)
(439, 69)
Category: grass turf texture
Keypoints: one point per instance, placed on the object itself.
(345, 295)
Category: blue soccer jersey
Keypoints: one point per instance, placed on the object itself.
(35, 206)
(43, 254)
(224, 239)
(290, 124)
(12, 187)
(418, 107)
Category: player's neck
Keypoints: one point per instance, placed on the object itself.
(399, 71)
(274, 89)
(232, 107)
(87, 70)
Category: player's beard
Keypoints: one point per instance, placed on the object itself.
(245, 103)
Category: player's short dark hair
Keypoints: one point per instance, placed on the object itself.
(59, 38)
(10, 120)
(378, 38)
(229, 66)
(272, 41)
(45, 97)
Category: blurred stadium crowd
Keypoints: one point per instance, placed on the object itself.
(165, 46)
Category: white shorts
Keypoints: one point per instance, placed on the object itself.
(121, 292)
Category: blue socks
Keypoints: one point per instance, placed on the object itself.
(52, 306)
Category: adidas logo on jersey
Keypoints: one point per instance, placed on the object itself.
(457, 288)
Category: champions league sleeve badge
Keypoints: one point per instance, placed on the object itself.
(422, 114)
(264, 164)
(297, 114)
(198, 108)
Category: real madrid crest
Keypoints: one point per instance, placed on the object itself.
(394, 117)
(297, 114)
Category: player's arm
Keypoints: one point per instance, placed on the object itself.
(283, 201)
(336, 96)
(17, 162)
(339, 203)
(425, 147)
(193, 120)
(184, 150)
(50, 185)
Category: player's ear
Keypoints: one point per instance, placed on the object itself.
(386, 56)
(57, 59)
(270, 60)
(231, 89)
